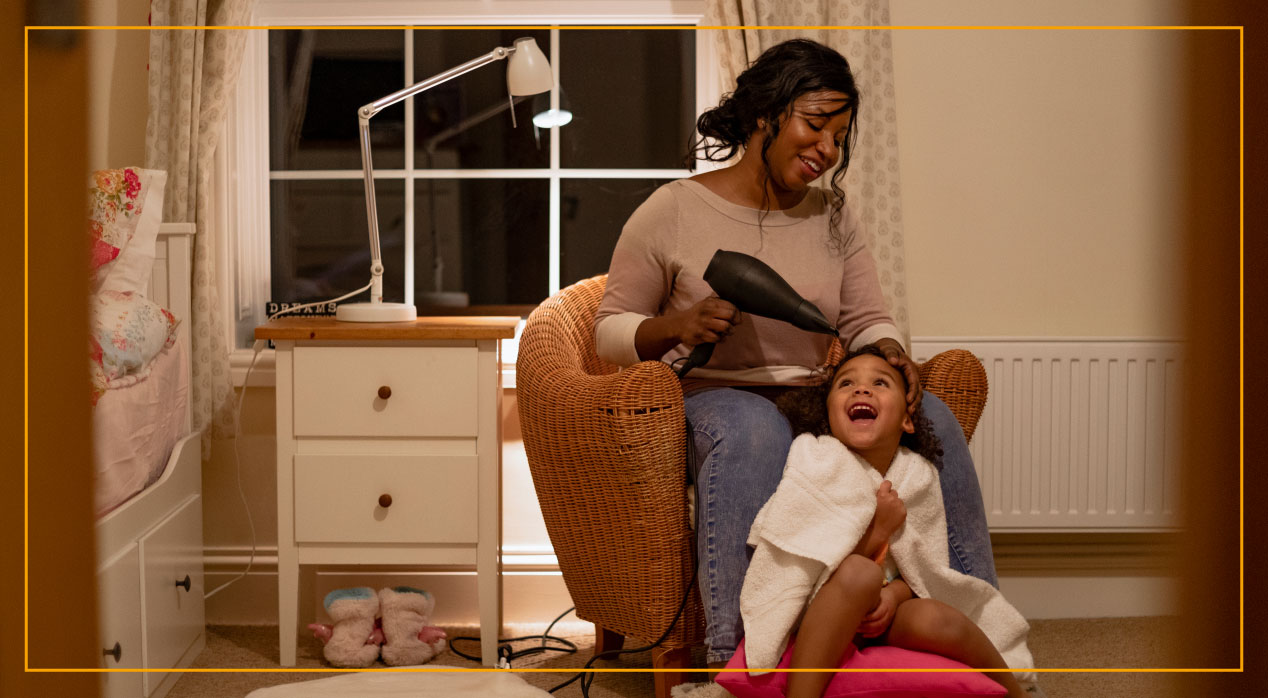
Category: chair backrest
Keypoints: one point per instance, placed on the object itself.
(565, 323)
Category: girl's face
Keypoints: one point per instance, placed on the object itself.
(867, 406)
(809, 142)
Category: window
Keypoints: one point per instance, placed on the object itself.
(475, 216)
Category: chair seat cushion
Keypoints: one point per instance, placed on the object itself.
(868, 677)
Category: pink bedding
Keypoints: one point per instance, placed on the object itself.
(135, 427)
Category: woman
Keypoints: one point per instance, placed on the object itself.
(792, 115)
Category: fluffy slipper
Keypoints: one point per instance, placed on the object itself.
(408, 640)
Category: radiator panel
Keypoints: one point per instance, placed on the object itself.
(1077, 434)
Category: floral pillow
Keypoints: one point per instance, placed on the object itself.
(125, 209)
(128, 331)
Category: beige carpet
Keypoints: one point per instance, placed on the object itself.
(1137, 643)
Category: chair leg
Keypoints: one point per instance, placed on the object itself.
(677, 658)
(606, 640)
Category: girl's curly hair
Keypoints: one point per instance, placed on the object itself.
(807, 413)
(766, 91)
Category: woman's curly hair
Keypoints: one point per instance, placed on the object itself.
(807, 413)
(766, 90)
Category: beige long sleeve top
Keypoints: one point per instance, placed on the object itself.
(658, 267)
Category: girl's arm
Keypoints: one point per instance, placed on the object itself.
(878, 620)
(890, 514)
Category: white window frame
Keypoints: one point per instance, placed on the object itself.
(246, 141)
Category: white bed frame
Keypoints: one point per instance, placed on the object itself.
(150, 549)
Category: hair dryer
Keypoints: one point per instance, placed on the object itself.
(753, 287)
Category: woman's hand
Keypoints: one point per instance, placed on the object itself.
(891, 512)
(896, 357)
(710, 320)
(878, 620)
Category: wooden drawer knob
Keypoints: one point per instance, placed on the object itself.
(184, 583)
(385, 392)
(385, 500)
(115, 652)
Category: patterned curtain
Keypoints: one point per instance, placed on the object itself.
(871, 185)
(191, 75)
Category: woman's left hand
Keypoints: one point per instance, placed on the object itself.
(898, 358)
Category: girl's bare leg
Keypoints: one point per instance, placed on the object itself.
(932, 626)
(828, 626)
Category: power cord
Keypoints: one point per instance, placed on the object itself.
(257, 348)
(507, 654)
(237, 462)
(587, 677)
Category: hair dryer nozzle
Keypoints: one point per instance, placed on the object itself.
(755, 288)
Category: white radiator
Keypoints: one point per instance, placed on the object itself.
(1077, 434)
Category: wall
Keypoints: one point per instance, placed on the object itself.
(117, 84)
(1040, 169)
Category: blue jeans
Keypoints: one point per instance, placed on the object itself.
(740, 444)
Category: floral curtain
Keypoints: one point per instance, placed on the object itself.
(191, 75)
(872, 184)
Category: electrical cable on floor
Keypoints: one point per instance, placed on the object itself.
(587, 677)
(258, 347)
(507, 654)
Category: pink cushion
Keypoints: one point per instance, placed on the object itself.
(898, 684)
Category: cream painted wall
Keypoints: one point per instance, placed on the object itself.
(1040, 169)
(117, 83)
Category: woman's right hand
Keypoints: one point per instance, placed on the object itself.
(709, 321)
(891, 512)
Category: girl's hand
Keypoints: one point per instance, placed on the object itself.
(897, 358)
(710, 320)
(878, 620)
(891, 512)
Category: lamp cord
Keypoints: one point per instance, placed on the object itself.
(258, 347)
(237, 462)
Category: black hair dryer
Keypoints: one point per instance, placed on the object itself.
(752, 286)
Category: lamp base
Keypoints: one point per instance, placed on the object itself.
(376, 312)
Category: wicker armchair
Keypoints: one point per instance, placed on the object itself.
(607, 452)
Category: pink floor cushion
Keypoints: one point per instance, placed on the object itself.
(889, 684)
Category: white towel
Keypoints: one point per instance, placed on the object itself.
(815, 519)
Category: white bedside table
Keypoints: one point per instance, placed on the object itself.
(389, 452)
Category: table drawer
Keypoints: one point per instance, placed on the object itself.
(430, 391)
(433, 499)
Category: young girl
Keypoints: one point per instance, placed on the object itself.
(851, 529)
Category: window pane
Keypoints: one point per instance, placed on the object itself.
(321, 247)
(466, 122)
(592, 213)
(492, 239)
(317, 81)
(632, 94)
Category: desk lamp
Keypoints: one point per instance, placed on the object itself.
(527, 73)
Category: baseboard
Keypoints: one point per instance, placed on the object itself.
(1045, 575)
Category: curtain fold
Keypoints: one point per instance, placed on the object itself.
(192, 73)
(872, 184)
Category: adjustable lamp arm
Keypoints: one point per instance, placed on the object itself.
(364, 114)
(527, 73)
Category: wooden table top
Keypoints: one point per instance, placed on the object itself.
(452, 327)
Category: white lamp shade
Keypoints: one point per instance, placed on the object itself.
(528, 72)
